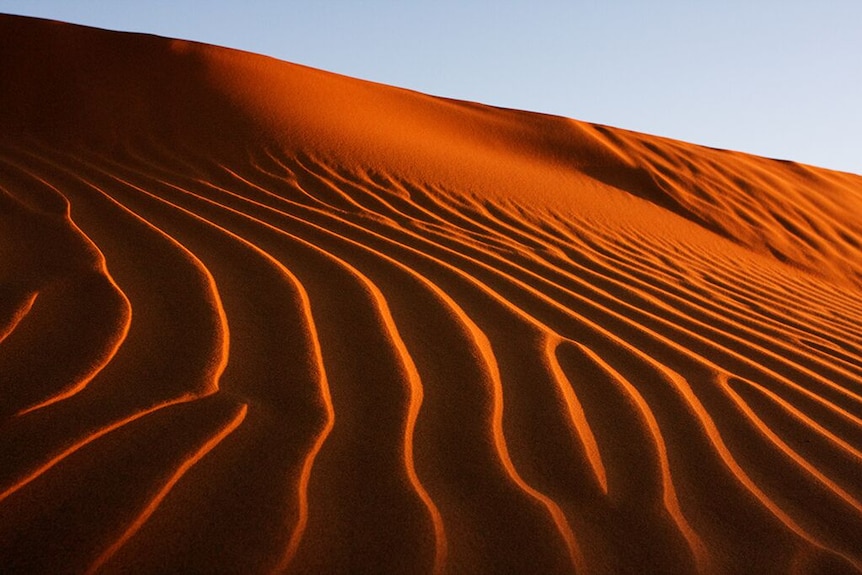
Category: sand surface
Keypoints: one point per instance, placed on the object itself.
(260, 318)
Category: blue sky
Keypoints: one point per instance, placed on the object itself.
(779, 78)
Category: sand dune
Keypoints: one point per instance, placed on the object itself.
(259, 318)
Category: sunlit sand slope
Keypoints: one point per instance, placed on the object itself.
(257, 318)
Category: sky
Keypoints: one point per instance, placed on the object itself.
(777, 78)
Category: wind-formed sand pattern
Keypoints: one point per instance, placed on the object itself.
(260, 318)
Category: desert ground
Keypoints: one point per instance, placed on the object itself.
(261, 318)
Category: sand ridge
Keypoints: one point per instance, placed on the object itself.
(256, 317)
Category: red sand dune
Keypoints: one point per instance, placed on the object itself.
(256, 317)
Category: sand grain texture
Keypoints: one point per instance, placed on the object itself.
(260, 318)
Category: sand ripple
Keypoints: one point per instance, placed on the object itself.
(280, 361)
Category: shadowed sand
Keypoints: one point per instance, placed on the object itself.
(260, 318)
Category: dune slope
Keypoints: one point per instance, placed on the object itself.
(260, 318)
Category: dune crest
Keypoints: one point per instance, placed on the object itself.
(260, 318)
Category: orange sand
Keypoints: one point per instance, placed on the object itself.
(256, 318)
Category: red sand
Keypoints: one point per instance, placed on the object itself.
(256, 317)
